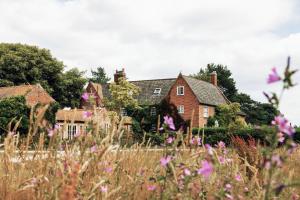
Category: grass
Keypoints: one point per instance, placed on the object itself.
(94, 166)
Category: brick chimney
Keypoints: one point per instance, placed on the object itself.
(119, 74)
(214, 78)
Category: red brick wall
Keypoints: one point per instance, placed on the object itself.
(190, 103)
(188, 100)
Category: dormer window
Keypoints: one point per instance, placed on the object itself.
(157, 91)
(180, 90)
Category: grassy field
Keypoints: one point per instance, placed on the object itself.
(95, 168)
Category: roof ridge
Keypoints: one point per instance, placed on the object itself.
(155, 79)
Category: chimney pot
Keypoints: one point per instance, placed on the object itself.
(118, 75)
(213, 78)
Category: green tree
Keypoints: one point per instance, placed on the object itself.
(71, 88)
(14, 108)
(99, 76)
(123, 94)
(225, 80)
(26, 64)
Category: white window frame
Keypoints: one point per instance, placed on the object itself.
(153, 111)
(157, 91)
(205, 112)
(71, 131)
(180, 109)
(179, 92)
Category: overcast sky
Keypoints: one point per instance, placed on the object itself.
(160, 38)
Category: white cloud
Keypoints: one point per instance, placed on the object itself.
(157, 39)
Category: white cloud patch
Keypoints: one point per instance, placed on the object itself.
(158, 39)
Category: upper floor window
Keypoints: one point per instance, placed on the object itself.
(157, 91)
(205, 111)
(180, 90)
(153, 111)
(180, 109)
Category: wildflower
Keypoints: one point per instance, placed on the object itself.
(196, 141)
(87, 114)
(93, 149)
(238, 177)
(151, 187)
(295, 196)
(169, 122)
(187, 172)
(165, 160)
(11, 133)
(103, 189)
(283, 125)
(280, 137)
(273, 76)
(277, 160)
(268, 165)
(221, 145)
(170, 140)
(228, 187)
(85, 96)
(209, 149)
(108, 169)
(206, 169)
(222, 160)
(50, 132)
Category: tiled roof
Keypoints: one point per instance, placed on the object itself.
(33, 93)
(206, 92)
(147, 87)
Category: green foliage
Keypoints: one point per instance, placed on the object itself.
(51, 111)
(23, 64)
(71, 88)
(14, 108)
(99, 76)
(225, 80)
(123, 95)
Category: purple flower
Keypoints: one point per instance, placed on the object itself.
(187, 172)
(238, 177)
(206, 169)
(85, 96)
(170, 140)
(195, 141)
(103, 189)
(228, 187)
(273, 76)
(209, 149)
(108, 169)
(93, 149)
(169, 122)
(151, 187)
(221, 145)
(283, 125)
(165, 160)
(87, 114)
(280, 137)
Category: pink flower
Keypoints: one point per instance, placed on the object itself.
(228, 187)
(283, 125)
(151, 187)
(187, 172)
(238, 177)
(206, 169)
(108, 169)
(87, 114)
(195, 141)
(280, 137)
(170, 140)
(85, 96)
(103, 188)
(268, 165)
(50, 132)
(165, 160)
(169, 122)
(209, 149)
(11, 133)
(93, 149)
(222, 160)
(221, 145)
(277, 160)
(273, 76)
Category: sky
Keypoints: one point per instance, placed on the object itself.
(158, 39)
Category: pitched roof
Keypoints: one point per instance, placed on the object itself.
(206, 92)
(147, 87)
(33, 93)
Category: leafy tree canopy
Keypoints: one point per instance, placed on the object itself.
(225, 80)
(99, 76)
(123, 94)
(25, 64)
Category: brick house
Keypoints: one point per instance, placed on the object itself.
(33, 94)
(185, 94)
